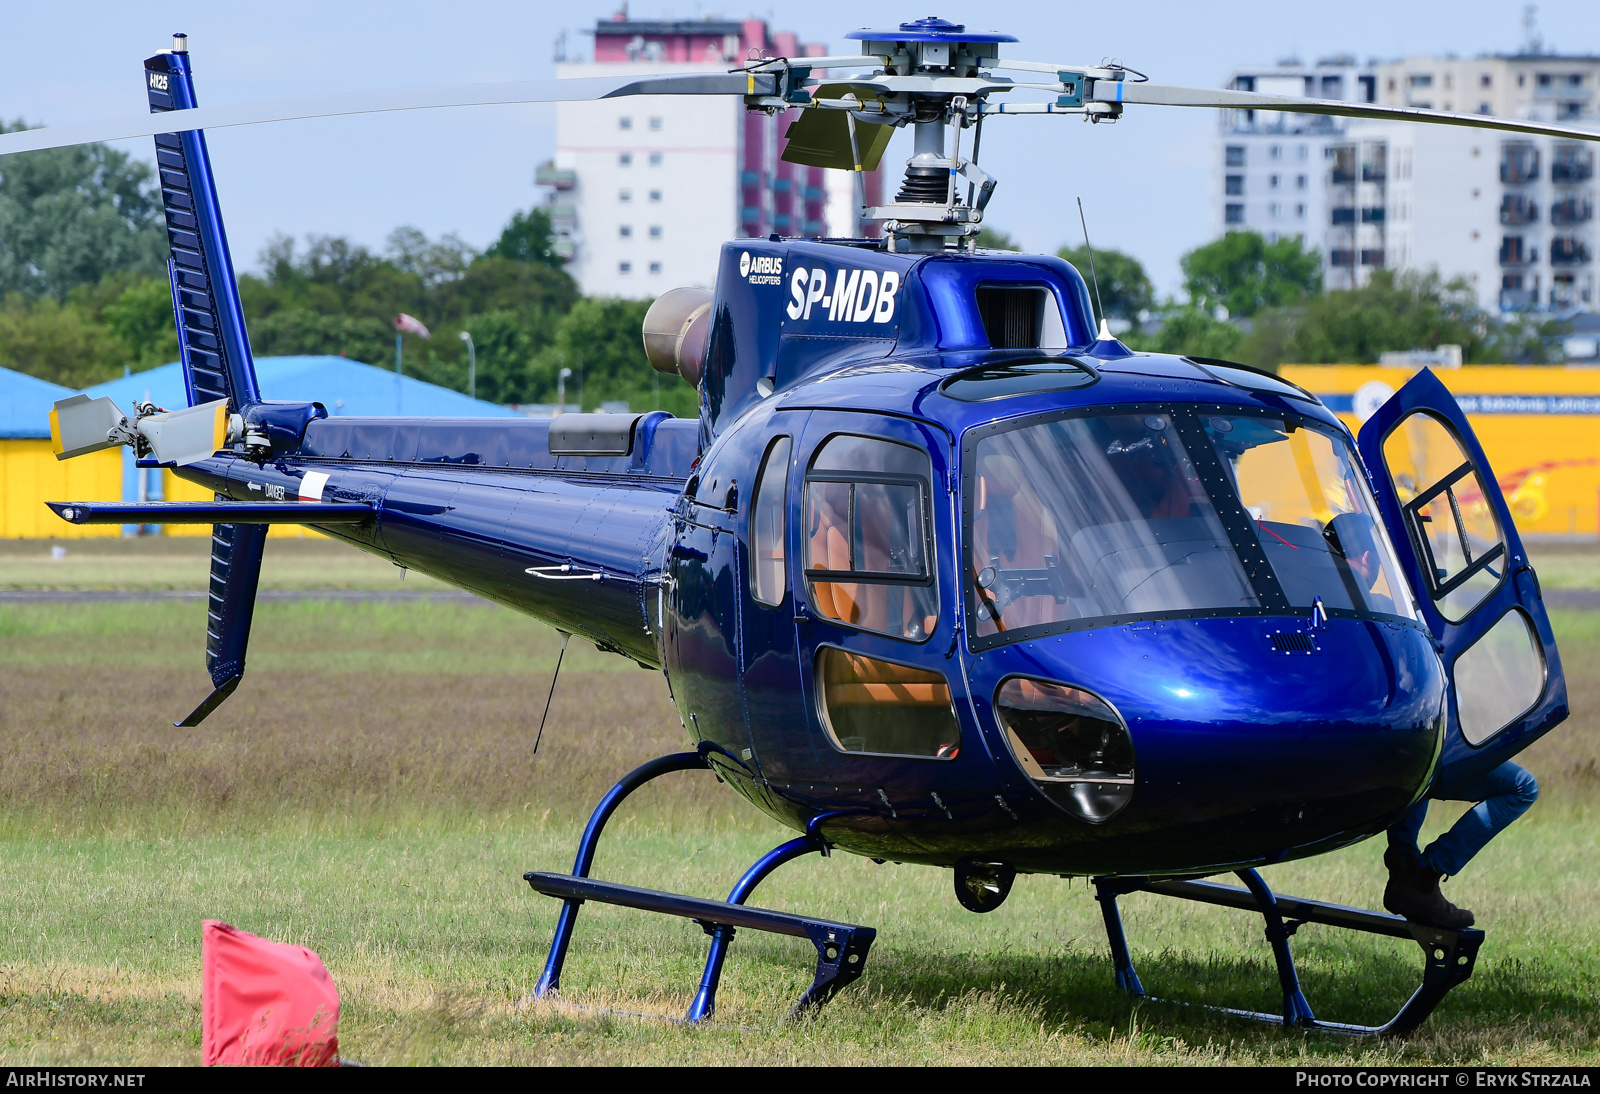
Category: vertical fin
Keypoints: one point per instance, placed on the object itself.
(211, 331)
(214, 349)
(236, 551)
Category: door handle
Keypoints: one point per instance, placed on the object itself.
(801, 615)
(1528, 585)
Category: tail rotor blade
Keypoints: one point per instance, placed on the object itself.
(81, 425)
(182, 437)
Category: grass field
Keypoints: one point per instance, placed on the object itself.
(371, 792)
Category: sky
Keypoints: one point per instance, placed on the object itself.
(1145, 181)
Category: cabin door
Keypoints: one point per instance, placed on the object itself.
(1472, 581)
(875, 610)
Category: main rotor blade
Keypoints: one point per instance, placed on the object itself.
(1128, 91)
(376, 102)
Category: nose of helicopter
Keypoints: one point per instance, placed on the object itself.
(1173, 743)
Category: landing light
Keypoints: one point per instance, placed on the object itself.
(1070, 743)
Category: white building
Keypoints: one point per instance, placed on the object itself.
(646, 190)
(1271, 167)
(647, 186)
(1513, 215)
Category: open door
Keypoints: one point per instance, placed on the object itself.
(1471, 577)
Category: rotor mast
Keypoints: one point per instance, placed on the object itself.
(931, 208)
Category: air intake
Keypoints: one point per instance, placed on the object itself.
(1013, 316)
(1294, 642)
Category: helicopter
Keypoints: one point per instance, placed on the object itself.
(943, 573)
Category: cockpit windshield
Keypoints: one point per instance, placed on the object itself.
(1166, 510)
(1087, 517)
(1313, 513)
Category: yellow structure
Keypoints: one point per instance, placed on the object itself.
(30, 475)
(1539, 426)
(176, 489)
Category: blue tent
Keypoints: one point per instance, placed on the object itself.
(344, 386)
(25, 405)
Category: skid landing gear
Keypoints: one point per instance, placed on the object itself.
(841, 947)
(1449, 954)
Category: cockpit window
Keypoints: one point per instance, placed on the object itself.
(1168, 510)
(1088, 517)
(867, 549)
(1315, 517)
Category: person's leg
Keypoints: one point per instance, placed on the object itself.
(1403, 833)
(1503, 795)
(1413, 888)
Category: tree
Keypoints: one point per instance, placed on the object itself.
(336, 296)
(70, 216)
(58, 342)
(1125, 288)
(1190, 331)
(435, 264)
(1522, 340)
(1391, 312)
(140, 317)
(599, 339)
(528, 239)
(1244, 273)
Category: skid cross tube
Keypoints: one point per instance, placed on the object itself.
(1449, 954)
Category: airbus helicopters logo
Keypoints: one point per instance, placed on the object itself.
(762, 269)
(857, 296)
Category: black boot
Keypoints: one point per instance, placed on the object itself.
(1413, 891)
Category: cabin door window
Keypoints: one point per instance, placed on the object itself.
(867, 548)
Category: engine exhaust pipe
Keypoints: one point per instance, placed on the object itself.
(677, 332)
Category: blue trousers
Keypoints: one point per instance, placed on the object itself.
(1503, 795)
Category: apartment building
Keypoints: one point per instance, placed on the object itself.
(1271, 168)
(644, 191)
(1514, 215)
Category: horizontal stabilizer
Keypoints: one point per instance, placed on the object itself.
(210, 512)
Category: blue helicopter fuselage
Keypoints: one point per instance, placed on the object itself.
(1257, 734)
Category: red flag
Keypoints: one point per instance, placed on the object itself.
(264, 1002)
(405, 324)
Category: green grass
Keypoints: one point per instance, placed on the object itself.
(180, 563)
(371, 792)
(1567, 564)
